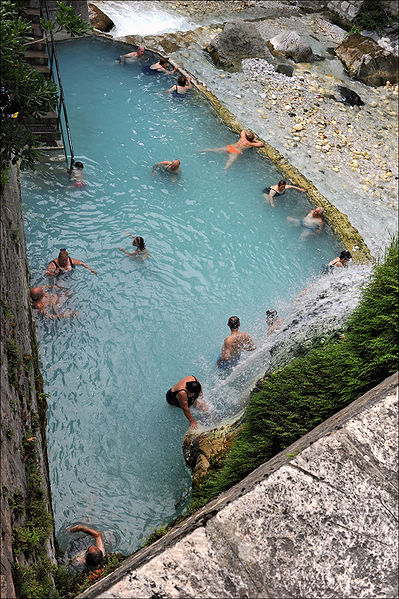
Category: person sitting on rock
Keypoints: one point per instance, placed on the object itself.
(247, 140)
(234, 344)
(140, 252)
(94, 554)
(278, 190)
(65, 263)
(185, 394)
(341, 260)
(170, 166)
(180, 89)
(43, 301)
(133, 55)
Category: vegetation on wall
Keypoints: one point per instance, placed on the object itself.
(294, 399)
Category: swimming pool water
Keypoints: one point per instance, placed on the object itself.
(216, 249)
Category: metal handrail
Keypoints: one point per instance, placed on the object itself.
(61, 109)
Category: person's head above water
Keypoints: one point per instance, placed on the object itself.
(271, 316)
(194, 387)
(282, 183)
(163, 61)
(182, 81)
(249, 135)
(233, 322)
(139, 243)
(78, 164)
(140, 51)
(94, 555)
(318, 211)
(174, 165)
(63, 257)
(36, 293)
(345, 255)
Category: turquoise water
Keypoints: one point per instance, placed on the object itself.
(216, 249)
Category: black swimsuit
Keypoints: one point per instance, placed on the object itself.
(269, 189)
(60, 267)
(171, 397)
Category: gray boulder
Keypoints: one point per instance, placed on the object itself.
(290, 45)
(238, 40)
(99, 20)
(366, 61)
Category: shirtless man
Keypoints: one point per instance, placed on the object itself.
(94, 554)
(42, 301)
(170, 166)
(234, 344)
(340, 261)
(133, 55)
(64, 263)
(247, 140)
(312, 223)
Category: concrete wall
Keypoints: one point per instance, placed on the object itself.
(317, 520)
(23, 407)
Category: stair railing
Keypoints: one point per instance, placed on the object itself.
(56, 78)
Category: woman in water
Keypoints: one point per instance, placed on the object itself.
(278, 190)
(159, 67)
(141, 251)
(183, 84)
(341, 260)
(76, 174)
(184, 394)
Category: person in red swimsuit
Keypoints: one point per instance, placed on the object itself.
(247, 140)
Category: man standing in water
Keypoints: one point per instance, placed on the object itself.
(234, 344)
(247, 140)
(133, 55)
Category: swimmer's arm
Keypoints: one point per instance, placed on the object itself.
(189, 86)
(223, 354)
(170, 90)
(127, 253)
(272, 193)
(80, 263)
(93, 533)
(184, 406)
(52, 270)
(294, 187)
(128, 234)
(257, 144)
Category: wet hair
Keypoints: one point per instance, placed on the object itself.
(36, 293)
(78, 164)
(140, 241)
(271, 316)
(163, 61)
(182, 80)
(233, 322)
(94, 555)
(250, 136)
(63, 253)
(282, 182)
(345, 255)
(194, 387)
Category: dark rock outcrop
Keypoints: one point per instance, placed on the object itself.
(238, 40)
(290, 45)
(366, 61)
(99, 20)
(349, 97)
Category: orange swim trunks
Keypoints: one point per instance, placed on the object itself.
(232, 150)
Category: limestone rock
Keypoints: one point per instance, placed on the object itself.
(290, 45)
(99, 20)
(200, 449)
(346, 9)
(366, 61)
(236, 41)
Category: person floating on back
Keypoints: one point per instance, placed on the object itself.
(133, 56)
(185, 394)
(234, 344)
(278, 190)
(140, 252)
(247, 140)
(170, 166)
(180, 89)
(65, 263)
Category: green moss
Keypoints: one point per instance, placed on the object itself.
(156, 534)
(9, 433)
(373, 17)
(293, 400)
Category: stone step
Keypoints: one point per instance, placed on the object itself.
(41, 68)
(36, 57)
(33, 14)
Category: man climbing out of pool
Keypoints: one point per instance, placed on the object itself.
(94, 553)
(247, 140)
(234, 344)
(65, 263)
(185, 394)
(170, 166)
(133, 55)
(49, 303)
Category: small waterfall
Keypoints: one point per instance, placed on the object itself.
(317, 312)
(142, 18)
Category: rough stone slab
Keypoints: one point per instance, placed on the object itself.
(320, 524)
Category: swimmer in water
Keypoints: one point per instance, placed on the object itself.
(185, 394)
(180, 89)
(234, 344)
(312, 223)
(76, 174)
(278, 190)
(65, 263)
(272, 321)
(94, 554)
(141, 251)
(170, 166)
(161, 67)
(247, 140)
(48, 303)
(341, 260)
(139, 53)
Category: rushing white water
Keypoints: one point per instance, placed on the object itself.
(142, 18)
